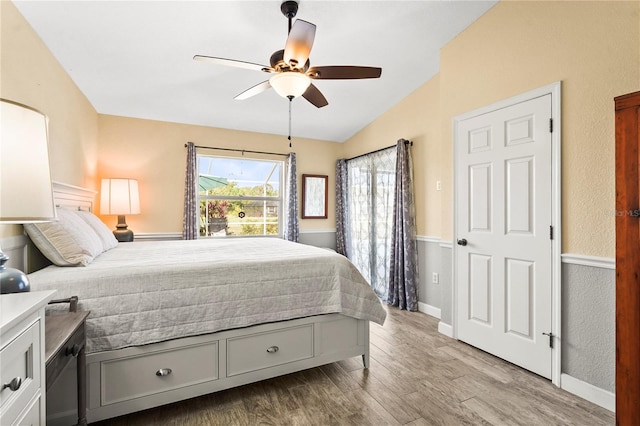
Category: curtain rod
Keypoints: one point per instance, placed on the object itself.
(410, 143)
(239, 150)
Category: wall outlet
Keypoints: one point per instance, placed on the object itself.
(438, 185)
(435, 278)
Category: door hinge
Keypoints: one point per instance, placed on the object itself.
(551, 232)
(551, 336)
(551, 125)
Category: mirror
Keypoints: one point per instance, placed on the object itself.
(314, 196)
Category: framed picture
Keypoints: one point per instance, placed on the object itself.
(314, 196)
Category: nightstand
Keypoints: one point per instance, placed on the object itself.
(22, 376)
(65, 340)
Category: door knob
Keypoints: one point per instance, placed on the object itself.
(462, 242)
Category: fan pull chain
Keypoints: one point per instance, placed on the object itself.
(290, 101)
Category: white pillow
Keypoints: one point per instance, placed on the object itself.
(106, 236)
(70, 241)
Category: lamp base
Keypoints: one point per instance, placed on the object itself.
(12, 280)
(122, 234)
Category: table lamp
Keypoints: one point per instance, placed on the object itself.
(26, 194)
(120, 197)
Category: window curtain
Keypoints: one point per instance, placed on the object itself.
(291, 224)
(341, 207)
(403, 271)
(370, 197)
(190, 215)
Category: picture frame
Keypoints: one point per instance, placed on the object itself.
(314, 196)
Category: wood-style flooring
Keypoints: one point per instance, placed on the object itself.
(417, 377)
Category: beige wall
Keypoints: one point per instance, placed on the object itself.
(153, 152)
(415, 118)
(29, 74)
(592, 47)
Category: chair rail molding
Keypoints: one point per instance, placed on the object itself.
(584, 260)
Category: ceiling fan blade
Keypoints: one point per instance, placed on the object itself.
(255, 90)
(299, 43)
(233, 63)
(313, 95)
(343, 72)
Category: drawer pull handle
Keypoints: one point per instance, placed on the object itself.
(13, 385)
(72, 350)
(163, 372)
(273, 349)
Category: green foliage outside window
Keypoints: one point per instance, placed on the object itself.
(254, 215)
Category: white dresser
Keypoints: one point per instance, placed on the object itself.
(22, 371)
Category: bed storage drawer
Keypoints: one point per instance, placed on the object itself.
(138, 376)
(257, 351)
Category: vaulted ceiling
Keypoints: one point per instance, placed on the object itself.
(134, 58)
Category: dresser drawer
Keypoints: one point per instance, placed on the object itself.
(20, 364)
(31, 416)
(258, 351)
(151, 373)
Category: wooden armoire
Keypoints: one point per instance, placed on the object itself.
(627, 112)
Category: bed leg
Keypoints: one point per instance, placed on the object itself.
(365, 360)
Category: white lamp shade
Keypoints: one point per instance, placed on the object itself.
(119, 197)
(25, 177)
(290, 83)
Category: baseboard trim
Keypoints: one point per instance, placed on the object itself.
(429, 310)
(584, 390)
(594, 261)
(445, 329)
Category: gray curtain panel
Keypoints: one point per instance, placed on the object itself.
(403, 275)
(291, 223)
(190, 217)
(341, 207)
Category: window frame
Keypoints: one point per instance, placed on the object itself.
(280, 199)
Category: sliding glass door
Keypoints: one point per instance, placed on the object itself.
(370, 197)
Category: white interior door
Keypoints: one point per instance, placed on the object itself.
(504, 251)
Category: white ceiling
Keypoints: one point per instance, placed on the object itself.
(134, 58)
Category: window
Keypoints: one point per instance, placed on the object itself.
(240, 196)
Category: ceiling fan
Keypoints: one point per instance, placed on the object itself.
(291, 69)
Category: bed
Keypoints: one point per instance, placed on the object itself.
(171, 320)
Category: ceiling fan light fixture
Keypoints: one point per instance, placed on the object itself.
(290, 84)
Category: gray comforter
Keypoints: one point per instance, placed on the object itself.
(147, 292)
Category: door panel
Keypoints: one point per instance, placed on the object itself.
(519, 196)
(480, 288)
(519, 286)
(479, 197)
(503, 201)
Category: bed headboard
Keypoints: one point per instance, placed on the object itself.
(65, 196)
(73, 197)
